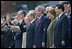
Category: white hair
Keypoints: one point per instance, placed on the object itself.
(32, 13)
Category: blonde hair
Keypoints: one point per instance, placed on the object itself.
(52, 11)
(47, 8)
(61, 2)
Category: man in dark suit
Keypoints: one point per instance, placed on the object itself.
(67, 11)
(30, 29)
(40, 28)
(61, 28)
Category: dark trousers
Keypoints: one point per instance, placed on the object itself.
(18, 43)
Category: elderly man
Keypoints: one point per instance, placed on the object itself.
(40, 28)
(30, 29)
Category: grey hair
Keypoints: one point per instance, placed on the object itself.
(32, 13)
(40, 8)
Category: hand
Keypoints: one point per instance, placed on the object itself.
(34, 46)
(63, 42)
(43, 44)
(9, 47)
(53, 46)
(8, 16)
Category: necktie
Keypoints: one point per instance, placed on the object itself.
(37, 21)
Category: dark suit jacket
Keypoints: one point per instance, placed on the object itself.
(8, 40)
(61, 29)
(41, 31)
(19, 35)
(30, 35)
(69, 32)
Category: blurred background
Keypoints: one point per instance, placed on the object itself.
(13, 7)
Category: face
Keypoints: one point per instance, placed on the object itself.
(66, 10)
(26, 19)
(20, 15)
(37, 12)
(57, 11)
(30, 17)
(49, 15)
(65, 5)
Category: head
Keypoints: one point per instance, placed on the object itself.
(21, 14)
(31, 15)
(39, 10)
(66, 10)
(59, 9)
(51, 12)
(61, 2)
(67, 7)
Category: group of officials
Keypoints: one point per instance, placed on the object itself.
(48, 27)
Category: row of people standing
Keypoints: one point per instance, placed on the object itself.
(60, 27)
(55, 33)
(44, 31)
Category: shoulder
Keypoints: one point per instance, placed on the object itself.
(64, 16)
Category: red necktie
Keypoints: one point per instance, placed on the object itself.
(37, 21)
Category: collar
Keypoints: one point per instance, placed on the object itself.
(32, 21)
(66, 14)
(40, 17)
(60, 14)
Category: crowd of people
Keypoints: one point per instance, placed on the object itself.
(48, 27)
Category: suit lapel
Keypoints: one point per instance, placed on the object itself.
(40, 21)
(60, 19)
